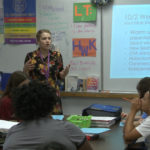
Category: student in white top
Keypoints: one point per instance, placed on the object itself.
(141, 103)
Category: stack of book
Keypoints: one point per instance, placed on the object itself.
(98, 121)
(75, 83)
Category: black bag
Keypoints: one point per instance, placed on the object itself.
(103, 110)
(2, 137)
(136, 146)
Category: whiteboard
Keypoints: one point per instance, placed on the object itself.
(57, 16)
(117, 84)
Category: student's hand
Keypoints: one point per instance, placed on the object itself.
(123, 115)
(64, 72)
(128, 99)
(136, 104)
(140, 120)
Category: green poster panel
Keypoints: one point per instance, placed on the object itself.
(84, 12)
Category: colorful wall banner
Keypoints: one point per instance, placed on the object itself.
(20, 21)
(1, 26)
(84, 47)
(1, 21)
(84, 12)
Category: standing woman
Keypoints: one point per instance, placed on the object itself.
(46, 65)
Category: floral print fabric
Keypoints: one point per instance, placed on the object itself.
(51, 66)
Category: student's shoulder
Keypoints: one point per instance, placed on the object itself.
(65, 124)
(5, 99)
(71, 128)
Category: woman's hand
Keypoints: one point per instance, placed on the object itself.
(64, 72)
(28, 66)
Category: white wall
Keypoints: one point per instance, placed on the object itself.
(12, 56)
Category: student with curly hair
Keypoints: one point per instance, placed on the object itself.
(6, 110)
(33, 103)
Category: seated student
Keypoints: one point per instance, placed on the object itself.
(6, 110)
(33, 103)
(142, 87)
(132, 132)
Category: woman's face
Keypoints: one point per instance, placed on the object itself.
(45, 41)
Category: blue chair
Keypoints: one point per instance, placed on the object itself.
(4, 79)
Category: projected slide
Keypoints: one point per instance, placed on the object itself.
(130, 45)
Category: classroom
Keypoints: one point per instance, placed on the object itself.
(109, 46)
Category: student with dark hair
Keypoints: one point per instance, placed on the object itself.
(142, 87)
(142, 103)
(6, 110)
(46, 64)
(33, 103)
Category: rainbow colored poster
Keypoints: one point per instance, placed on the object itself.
(20, 21)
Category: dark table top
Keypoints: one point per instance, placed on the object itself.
(110, 140)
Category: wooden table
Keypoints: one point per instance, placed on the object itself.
(95, 95)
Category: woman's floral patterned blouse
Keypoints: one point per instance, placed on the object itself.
(41, 70)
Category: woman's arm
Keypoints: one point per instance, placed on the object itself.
(28, 65)
(64, 72)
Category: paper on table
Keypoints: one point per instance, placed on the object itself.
(58, 117)
(7, 124)
(94, 130)
(105, 118)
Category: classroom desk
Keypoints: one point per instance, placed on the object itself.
(110, 140)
